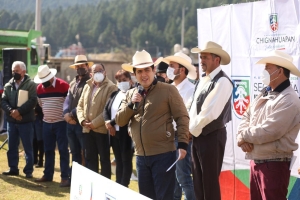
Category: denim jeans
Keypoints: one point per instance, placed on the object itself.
(52, 133)
(15, 132)
(184, 181)
(75, 138)
(153, 180)
(38, 129)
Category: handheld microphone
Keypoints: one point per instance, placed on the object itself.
(140, 91)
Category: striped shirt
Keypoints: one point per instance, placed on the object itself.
(51, 100)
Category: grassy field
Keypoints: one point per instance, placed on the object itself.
(18, 187)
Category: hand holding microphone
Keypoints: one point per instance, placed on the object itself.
(137, 97)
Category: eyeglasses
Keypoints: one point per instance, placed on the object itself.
(101, 71)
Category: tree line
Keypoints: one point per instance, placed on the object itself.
(115, 25)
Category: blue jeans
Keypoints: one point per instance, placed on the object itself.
(38, 126)
(75, 138)
(153, 180)
(15, 132)
(52, 133)
(184, 181)
(4, 122)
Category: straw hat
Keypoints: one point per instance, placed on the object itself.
(184, 60)
(212, 47)
(79, 60)
(44, 74)
(281, 59)
(141, 59)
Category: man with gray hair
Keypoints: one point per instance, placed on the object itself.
(18, 102)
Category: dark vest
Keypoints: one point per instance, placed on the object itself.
(225, 116)
(75, 92)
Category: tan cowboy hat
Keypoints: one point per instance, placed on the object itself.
(281, 59)
(141, 59)
(184, 60)
(212, 47)
(44, 74)
(79, 60)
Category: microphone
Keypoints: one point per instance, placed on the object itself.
(140, 91)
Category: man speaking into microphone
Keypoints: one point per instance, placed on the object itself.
(151, 111)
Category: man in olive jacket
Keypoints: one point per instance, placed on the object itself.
(20, 117)
(151, 110)
(90, 108)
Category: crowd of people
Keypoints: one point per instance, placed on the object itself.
(167, 114)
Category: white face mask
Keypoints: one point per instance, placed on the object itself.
(124, 86)
(98, 77)
(133, 78)
(266, 77)
(170, 73)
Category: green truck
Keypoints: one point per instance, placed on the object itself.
(16, 45)
(19, 45)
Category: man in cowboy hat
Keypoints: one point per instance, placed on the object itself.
(51, 93)
(269, 127)
(74, 129)
(209, 112)
(151, 110)
(18, 102)
(90, 108)
(180, 70)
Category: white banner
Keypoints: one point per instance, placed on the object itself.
(247, 32)
(87, 184)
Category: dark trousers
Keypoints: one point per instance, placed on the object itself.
(207, 156)
(269, 180)
(123, 158)
(15, 132)
(97, 144)
(56, 133)
(153, 179)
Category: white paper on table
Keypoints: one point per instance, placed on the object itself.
(174, 162)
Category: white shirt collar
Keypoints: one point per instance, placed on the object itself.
(181, 84)
(214, 73)
(54, 82)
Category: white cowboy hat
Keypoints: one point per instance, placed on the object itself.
(79, 60)
(281, 59)
(141, 59)
(184, 60)
(212, 47)
(44, 74)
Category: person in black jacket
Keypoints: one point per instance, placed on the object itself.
(120, 139)
(74, 129)
(18, 101)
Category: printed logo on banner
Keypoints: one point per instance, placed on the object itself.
(80, 189)
(273, 22)
(240, 95)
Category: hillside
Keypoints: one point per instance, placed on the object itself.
(23, 6)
